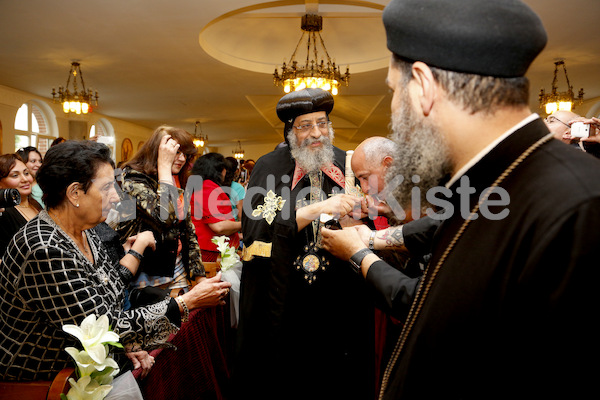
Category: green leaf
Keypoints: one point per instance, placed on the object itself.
(105, 371)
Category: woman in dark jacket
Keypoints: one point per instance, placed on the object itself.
(153, 198)
(153, 182)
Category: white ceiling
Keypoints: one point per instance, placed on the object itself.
(153, 61)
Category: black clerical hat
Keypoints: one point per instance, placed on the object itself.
(485, 37)
(303, 101)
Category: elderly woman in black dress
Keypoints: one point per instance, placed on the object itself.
(56, 271)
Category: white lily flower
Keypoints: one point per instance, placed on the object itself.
(107, 379)
(229, 256)
(87, 389)
(92, 335)
(221, 242)
(87, 365)
(83, 360)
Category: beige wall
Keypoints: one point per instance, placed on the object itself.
(12, 99)
(589, 108)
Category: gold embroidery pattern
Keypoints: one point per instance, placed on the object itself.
(270, 207)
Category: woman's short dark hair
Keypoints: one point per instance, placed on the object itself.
(210, 167)
(24, 153)
(72, 161)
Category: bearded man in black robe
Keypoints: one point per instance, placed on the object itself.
(506, 305)
(306, 319)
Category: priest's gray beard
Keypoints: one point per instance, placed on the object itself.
(422, 158)
(310, 159)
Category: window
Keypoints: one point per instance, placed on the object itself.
(103, 130)
(32, 128)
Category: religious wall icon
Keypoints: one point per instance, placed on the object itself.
(126, 149)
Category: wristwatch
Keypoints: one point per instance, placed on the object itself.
(357, 258)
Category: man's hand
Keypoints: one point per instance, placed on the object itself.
(343, 243)
(338, 206)
(594, 123)
(378, 207)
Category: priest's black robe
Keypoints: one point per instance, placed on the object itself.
(511, 312)
(295, 339)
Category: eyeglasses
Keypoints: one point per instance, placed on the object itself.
(323, 125)
(187, 156)
(551, 119)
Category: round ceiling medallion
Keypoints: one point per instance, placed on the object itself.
(261, 37)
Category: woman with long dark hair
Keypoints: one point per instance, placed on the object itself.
(153, 186)
(155, 179)
(33, 160)
(14, 174)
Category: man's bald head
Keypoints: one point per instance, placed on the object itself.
(558, 124)
(370, 162)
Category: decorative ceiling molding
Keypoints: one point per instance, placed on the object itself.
(258, 38)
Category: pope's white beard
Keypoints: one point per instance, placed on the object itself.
(422, 152)
(310, 159)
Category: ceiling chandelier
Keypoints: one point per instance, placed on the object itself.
(312, 74)
(199, 139)
(556, 100)
(75, 101)
(238, 153)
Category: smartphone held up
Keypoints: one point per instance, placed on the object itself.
(582, 130)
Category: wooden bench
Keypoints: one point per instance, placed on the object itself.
(37, 390)
(211, 268)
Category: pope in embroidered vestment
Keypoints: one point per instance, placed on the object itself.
(306, 318)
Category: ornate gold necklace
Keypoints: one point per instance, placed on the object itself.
(424, 288)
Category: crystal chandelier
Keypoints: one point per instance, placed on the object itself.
(556, 100)
(75, 101)
(238, 153)
(324, 75)
(199, 140)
